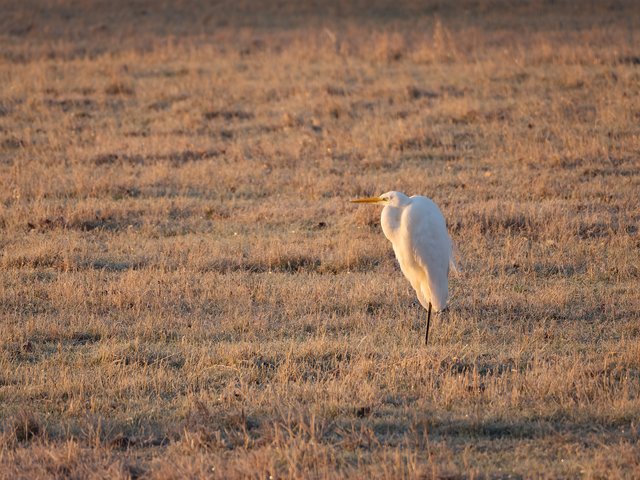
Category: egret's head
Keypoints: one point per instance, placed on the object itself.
(392, 199)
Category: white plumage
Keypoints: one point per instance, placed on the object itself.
(418, 232)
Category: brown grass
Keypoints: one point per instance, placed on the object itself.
(186, 292)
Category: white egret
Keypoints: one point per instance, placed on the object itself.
(418, 232)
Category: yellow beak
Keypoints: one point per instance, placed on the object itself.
(368, 200)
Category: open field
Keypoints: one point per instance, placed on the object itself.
(186, 291)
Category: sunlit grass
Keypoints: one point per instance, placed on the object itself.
(186, 291)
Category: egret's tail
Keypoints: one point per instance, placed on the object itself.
(454, 264)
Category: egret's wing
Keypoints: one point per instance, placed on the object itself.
(429, 243)
(413, 271)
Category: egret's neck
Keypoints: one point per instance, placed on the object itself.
(390, 221)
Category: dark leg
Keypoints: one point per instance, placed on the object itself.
(426, 338)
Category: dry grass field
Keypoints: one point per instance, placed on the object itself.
(186, 292)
